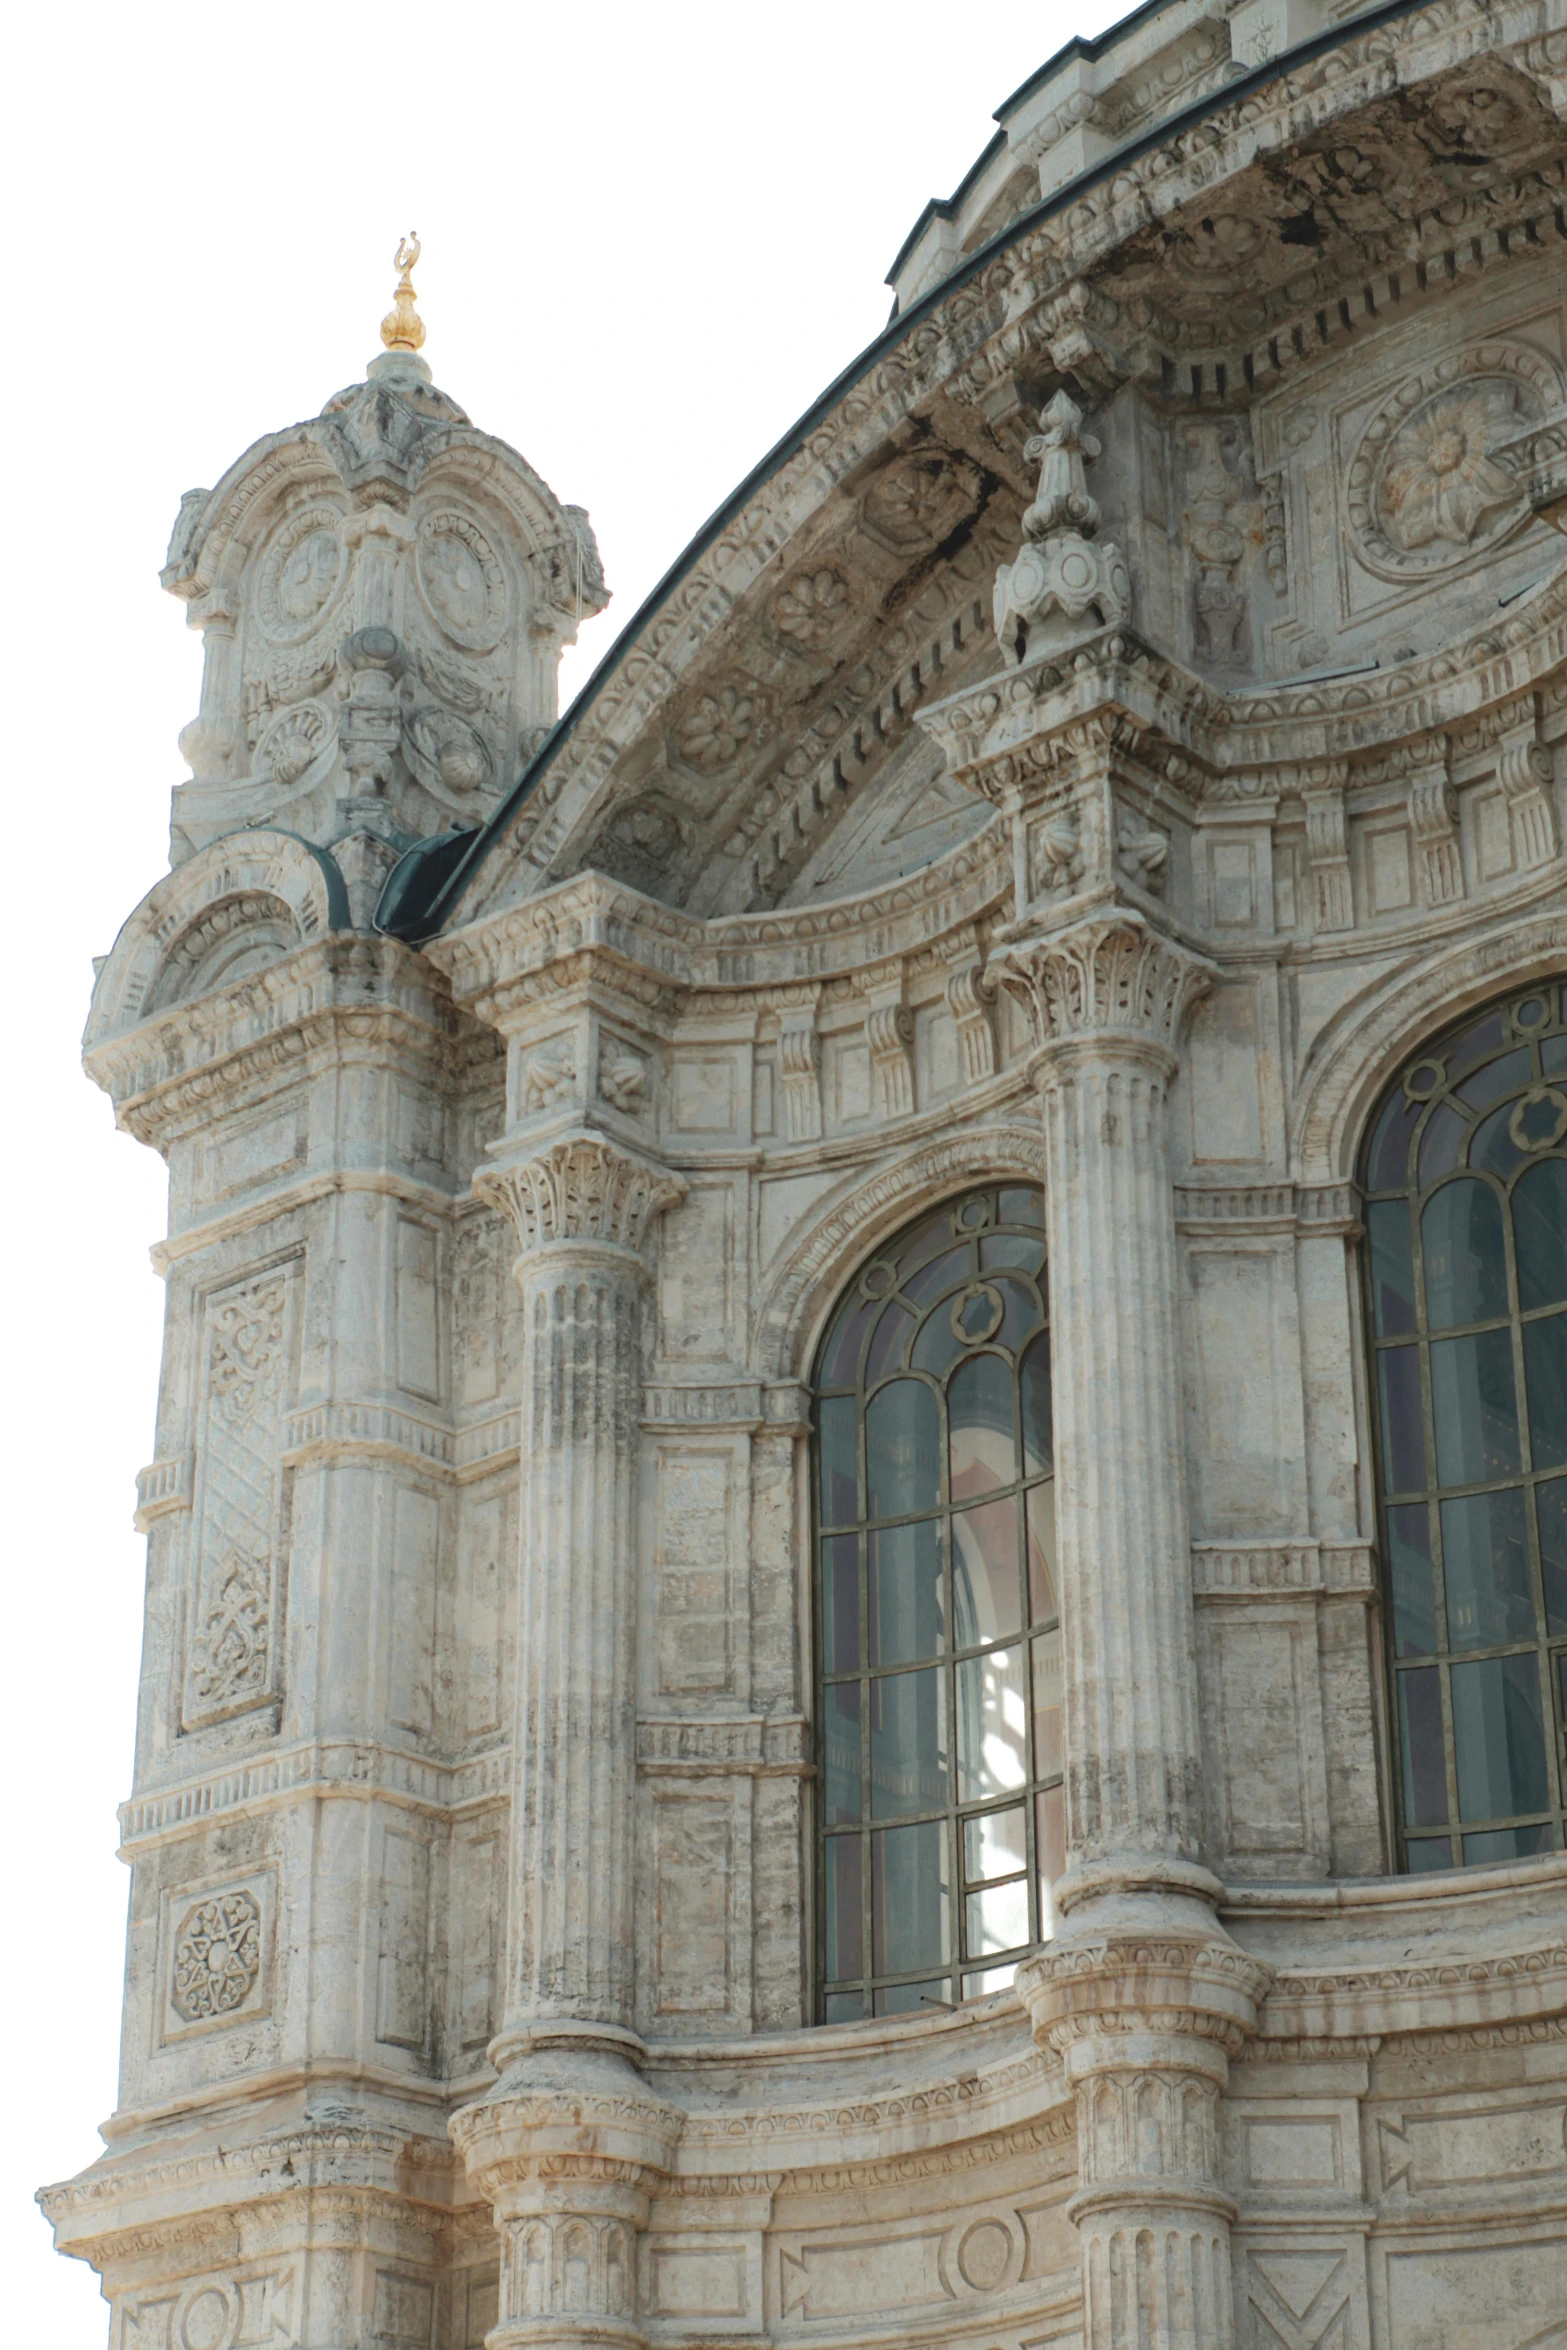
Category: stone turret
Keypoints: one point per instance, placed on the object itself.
(384, 593)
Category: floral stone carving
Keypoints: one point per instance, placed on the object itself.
(217, 1956)
(1060, 578)
(1424, 491)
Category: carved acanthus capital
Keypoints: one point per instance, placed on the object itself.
(579, 1187)
(1111, 976)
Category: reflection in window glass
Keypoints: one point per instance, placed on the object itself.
(1466, 1274)
(942, 1823)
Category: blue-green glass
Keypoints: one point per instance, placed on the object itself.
(906, 1593)
(910, 1898)
(1441, 1145)
(1429, 1852)
(1507, 1843)
(841, 1603)
(1551, 1507)
(1540, 1234)
(1474, 1407)
(1464, 1255)
(1034, 1381)
(1485, 1570)
(1392, 1268)
(902, 1449)
(839, 1486)
(1545, 1375)
(1496, 1080)
(982, 1444)
(841, 1717)
(1403, 1433)
(909, 1745)
(1499, 1737)
(1413, 1585)
(1420, 1739)
(845, 1935)
(1493, 1146)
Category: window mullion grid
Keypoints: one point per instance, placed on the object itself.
(1433, 1532)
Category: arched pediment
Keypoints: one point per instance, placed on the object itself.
(1272, 306)
(232, 908)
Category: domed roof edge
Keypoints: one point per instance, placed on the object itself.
(418, 921)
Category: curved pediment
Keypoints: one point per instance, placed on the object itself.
(1317, 326)
(228, 911)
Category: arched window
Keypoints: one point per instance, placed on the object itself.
(1466, 1181)
(938, 1644)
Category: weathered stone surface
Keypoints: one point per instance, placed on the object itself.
(1121, 729)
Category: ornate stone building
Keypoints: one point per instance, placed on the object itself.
(857, 1562)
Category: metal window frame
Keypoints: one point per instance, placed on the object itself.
(869, 1986)
(1430, 1065)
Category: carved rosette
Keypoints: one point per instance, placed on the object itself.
(1111, 978)
(580, 1188)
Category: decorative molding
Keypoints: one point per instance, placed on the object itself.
(676, 1404)
(366, 1431)
(757, 1745)
(1309, 1210)
(1267, 1570)
(1108, 977)
(799, 1066)
(889, 1031)
(1526, 771)
(579, 1187)
(969, 998)
(361, 1769)
(163, 1487)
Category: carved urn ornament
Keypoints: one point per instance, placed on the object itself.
(1061, 578)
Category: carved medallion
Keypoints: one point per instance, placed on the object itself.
(217, 1956)
(715, 731)
(920, 497)
(301, 574)
(293, 742)
(447, 754)
(809, 609)
(461, 580)
(1424, 493)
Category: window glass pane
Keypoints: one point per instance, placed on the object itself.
(1545, 1373)
(1476, 1043)
(992, 1737)
(1388, 1164)
(1392, 1269)
(1043, 1606)
(845, 1925)
(1494, 1079)
(839, 1486)
(888, 1343)
(841, 1355)
(987, 1588)
(1420, 1736)
(938, 1345)
(910, 1924)
(940, 1273)
(841, 1715)
(1551, 1503)
(1038, 1453)
(999, 1249)
(1441, 1144)
(1473, 1407)
(841, 1603)
(844, 2007)
(914, 1998)
(1485, 1568)
(1047, 1705)
(1498, 1737)
(1022, 1204)
(1021, 1314)
(1429, 1852)
(1493, 1146)
(979, 1417)
(908, 1746)
(995, 1844)
(902, 1450)
(1540, 1234)
(906, 1593)
(996, 1919)
(1413, 1585)
(996, 1978)
(1403, 1436)
(1465, 1261)
(1507, 1843)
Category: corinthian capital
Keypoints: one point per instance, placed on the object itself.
(579, 1187)
(1110, 976)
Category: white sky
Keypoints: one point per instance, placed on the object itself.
(651, 236)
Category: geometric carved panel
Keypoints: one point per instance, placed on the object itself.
(1298, 2299)
(1479, 2297)
(217, 1946)
(249, 1351)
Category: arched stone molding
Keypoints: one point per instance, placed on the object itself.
(1364, 1042)
(280, 879)
(846, 1230)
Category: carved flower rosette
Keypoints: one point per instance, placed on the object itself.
(302, 574)
(1424, 494)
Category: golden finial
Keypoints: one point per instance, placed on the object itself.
(402, 329)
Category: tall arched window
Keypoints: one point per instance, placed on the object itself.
(1466, 1181)
(938, 1644)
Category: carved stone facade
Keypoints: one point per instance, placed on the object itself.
(1117, 734)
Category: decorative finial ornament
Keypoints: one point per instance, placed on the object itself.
(402, 329)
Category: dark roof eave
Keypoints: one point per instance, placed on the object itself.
(445, 901)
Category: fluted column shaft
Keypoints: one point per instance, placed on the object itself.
(1143, 1994)
(569, 2143)
(574, 1739)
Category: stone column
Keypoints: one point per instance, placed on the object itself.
(569, 2142)
(1143, 1994)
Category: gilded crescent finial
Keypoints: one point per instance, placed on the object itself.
(402, 329)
